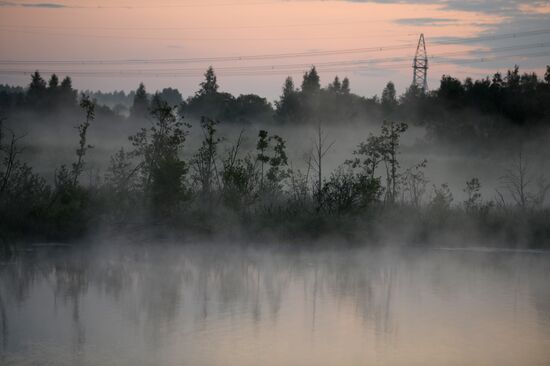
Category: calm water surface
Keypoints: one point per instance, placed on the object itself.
(226, 305)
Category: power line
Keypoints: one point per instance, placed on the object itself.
(268, 67)
(494, 37)
(493, 58)
(187, 39)
(244, 72)
(212, 59)
(274, 55)
(256, 26)
(183, 39)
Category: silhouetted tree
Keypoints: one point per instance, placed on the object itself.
(239, 178)
(162, 169)
(414, 182)
(204, 161)
(222, 106)
(54, 82)
(121, 185)
(271, 150)
(171, 96)
(391, 134)
(345, 192)
(336, 86)
(310, 96)
(513, 78)
(67, 95)
(321, 147)
(140, 106)
(262, 157)
(288, 106)
(89, 109)
(311, 82)
(369, 155)
(345, 86)
(519, 180)
(156, 101)
(23, 194)
(450, 89)
(68, 208)
(210, 84)
(252, 108)
(389, 99)
(37, 90)
(277, 161)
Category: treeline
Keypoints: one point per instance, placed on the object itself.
(39, 95)
(257, 192)
(457, 109)
(488, 108)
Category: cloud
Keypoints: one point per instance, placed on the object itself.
(34, 5)
(424, 21)
(497, 7)
(44, 5)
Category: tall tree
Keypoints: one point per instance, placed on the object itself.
(171, 96)
(37, 90)
(204, 161)
(513, 78)
(140, 106)
(288, 105)
(450, 89)
(335, 86)
(68, 96)
(210, 84)
(67, 83)
(162, 168)
(391, 134)
(88, 106)
(345, 86)
(389, 99)
(311, 82)
(320, 148)
(54, 82)
(53, 92)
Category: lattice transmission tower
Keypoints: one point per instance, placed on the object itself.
(420, 66)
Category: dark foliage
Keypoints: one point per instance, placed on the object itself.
(258, 190)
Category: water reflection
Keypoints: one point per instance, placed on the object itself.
(214, 304)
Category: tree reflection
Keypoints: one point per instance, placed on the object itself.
(186, 291)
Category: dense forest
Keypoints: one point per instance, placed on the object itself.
(497, 102)
(258, 192)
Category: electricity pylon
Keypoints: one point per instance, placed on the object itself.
(420, 66)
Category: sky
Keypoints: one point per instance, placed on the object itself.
(254, 44)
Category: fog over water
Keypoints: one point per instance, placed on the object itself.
(275, 182)
(207, 304)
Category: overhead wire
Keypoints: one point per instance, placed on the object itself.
(268, 67)
(207, 27)
(182, 39)
(290, 68)
(243, 72)
(276, 55)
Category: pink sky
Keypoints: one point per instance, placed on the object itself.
(122, 30)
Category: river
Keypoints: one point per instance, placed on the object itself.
(215, 304)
